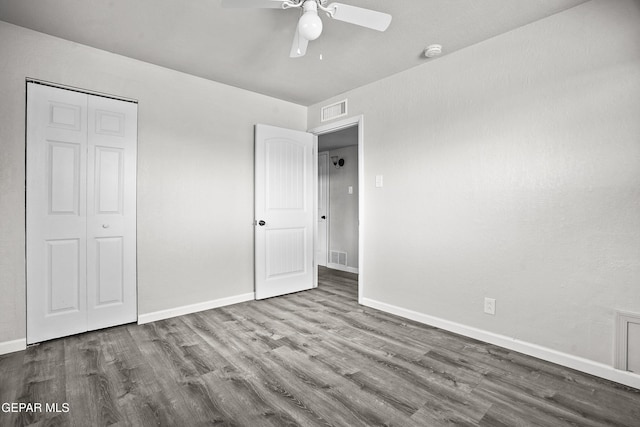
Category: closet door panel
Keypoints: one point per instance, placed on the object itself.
(56, 212)
(111, 212)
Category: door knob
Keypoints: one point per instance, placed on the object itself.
(323, 217)
(261, 223)
(105, 225)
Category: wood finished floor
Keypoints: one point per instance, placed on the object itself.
(314, 358)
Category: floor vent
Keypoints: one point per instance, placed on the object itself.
(333, 111)
(339, 258)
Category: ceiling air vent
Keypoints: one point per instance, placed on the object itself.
(334, 111)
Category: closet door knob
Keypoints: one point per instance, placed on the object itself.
(105, 225)
(261, 223)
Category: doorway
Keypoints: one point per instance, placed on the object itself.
(340, 197)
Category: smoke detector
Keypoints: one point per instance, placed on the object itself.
(433, 50)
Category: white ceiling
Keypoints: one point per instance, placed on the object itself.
(249, 48)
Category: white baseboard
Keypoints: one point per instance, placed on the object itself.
(578, 363)
(13, 346)
(342, 268)
(193, 308)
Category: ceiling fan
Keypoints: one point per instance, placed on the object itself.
(310, 26)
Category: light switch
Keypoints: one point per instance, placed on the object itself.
(350, 190)
(378, 181)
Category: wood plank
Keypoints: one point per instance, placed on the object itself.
(137, 392)
(40, 382)
(11, 380)
(87, 385)
(177, 375)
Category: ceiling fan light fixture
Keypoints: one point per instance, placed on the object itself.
(310, 24)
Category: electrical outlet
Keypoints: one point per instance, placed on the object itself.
(490, 306)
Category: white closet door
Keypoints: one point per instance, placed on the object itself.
(56, 213)
(111, 212)
(81, 168)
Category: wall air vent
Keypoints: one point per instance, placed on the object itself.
(333, 111)
(627, 351)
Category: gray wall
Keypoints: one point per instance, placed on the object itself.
(195, 171)
(511, 170)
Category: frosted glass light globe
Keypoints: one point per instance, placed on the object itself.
(310, 25)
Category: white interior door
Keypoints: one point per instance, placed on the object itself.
(323, 208)
(285, 174)
(81, 167)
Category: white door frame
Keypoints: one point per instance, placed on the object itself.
(332, 127)
(325, 208)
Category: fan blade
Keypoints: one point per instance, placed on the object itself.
(364, 17)
(299, 46)
(261, 4)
